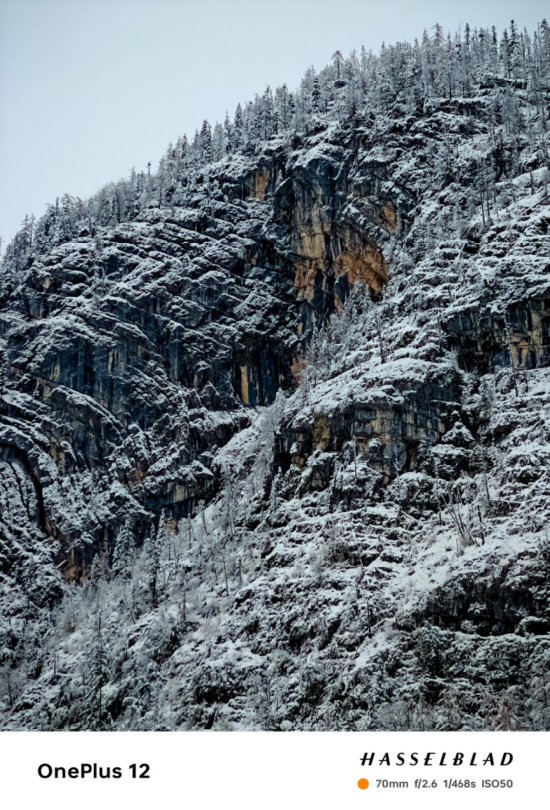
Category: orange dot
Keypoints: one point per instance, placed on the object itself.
(363, 784)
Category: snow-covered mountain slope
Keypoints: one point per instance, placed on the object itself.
(274, 448)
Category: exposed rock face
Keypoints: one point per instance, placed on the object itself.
(135, 359)
(385, 425)
(338, 226)
(163, 331)
(519, 337)
(345, 542)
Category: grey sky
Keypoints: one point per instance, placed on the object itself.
(90, 88)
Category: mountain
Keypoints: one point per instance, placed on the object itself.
(275, 419)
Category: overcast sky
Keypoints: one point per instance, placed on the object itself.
(90, 88)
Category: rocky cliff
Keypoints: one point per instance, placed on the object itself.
(277, 456)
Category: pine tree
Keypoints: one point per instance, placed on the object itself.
(97, 672)
(3, 370)
(228, 133)
(124, 551)
(206, 142)
(513, 49)
(316, 96)
(338, 62)
(219, 149)
(266, 114)
(238, 129)
(506, 719)
(151, 559)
